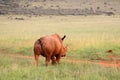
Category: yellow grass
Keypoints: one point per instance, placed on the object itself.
(81, 31)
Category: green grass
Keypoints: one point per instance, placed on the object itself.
(87, 38)
(23, 69)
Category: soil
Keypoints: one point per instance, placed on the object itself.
(112, 63)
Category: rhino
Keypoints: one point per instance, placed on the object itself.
(51, 47)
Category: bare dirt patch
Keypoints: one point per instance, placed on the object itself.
(112, 63)
(20, 56)
(115, 63)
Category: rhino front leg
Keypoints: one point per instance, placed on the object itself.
(53, 60)
(58, 58)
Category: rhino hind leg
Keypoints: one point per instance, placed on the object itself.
(36, 58)
(47, 60)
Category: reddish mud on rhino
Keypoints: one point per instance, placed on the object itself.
(51, 47)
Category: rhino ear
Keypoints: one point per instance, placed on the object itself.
(63, 37)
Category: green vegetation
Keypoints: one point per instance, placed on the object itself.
(23, 69)
(88, 37)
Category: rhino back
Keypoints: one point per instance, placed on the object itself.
(51, 44)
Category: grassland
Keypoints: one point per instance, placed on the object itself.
(87, 36)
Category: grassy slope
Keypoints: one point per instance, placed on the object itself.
(86, 36)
